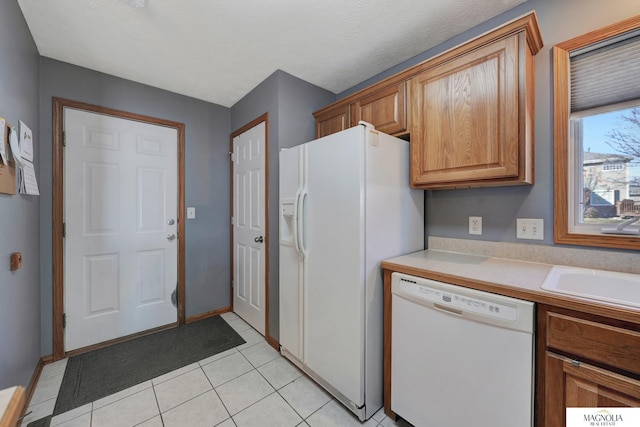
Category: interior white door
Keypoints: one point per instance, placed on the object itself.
(120, 209)
(249, 240)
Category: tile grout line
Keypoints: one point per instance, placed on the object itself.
(217, 394)
(228, 381)
(188, 400)
(287, 402)
(277, 391)
(155, 395)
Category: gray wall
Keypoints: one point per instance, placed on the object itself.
(19, 228)
(289, 102)
(207, 176)
(26, 89)
(447, 211)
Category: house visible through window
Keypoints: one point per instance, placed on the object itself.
(608, 142)
(597, 137)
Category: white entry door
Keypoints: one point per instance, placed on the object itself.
(120, 209)
(249, 240)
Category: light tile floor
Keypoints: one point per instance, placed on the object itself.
(249, 385)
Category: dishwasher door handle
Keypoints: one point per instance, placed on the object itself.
(447, 309)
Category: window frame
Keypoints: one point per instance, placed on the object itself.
(564, 160)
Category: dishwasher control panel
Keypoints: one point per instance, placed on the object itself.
(459, 302)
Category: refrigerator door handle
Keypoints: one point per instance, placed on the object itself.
(296, 213)
(300, 220)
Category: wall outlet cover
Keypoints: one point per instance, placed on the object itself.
(530, 228)
(475, 225)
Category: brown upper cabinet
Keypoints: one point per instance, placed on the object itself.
(386, 109)
(471, 117)
(468, 111)
(332, 119)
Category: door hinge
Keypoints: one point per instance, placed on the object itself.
(232, 156)
(64, 320)
(64, 229)
(64, 138)
(233, 221)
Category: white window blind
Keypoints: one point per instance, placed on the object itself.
(605, 75)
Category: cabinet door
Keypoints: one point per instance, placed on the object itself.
(570, 384)
(332, 120)
(465, 119)
(385, 109)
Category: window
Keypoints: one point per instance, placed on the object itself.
(608, 142)
(597, 136)
(612, 166)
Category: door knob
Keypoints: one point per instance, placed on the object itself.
(171, 236)
(171, 221)
(259, 239)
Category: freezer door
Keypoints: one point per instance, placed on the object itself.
(333, 237)
(291, 262)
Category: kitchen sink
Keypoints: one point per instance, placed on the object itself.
(610, 286)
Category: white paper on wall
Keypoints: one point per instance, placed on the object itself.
(3, 154)
(27, 182)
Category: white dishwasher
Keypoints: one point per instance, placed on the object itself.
(460, 357)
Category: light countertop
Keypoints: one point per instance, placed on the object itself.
(514, 278)
(499, 271)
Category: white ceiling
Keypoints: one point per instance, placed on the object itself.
(218, 50)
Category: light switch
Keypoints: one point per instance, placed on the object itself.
(191, 213)
(530, 228)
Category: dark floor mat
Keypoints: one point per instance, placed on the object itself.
(42, 422)
(99, 373)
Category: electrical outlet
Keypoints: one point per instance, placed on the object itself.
(530, 228)
(475, 225)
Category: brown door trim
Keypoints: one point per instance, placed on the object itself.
(58, 208)
(263, 118)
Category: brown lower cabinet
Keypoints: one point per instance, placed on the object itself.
(584, 361)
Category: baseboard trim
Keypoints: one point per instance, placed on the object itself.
(273, 342)
(207, 314)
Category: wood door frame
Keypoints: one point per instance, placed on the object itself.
(59, 104)
(263, 118)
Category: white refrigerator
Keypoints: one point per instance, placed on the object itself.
(345, 205)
